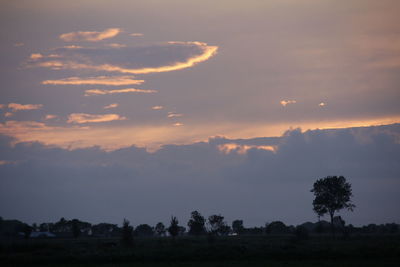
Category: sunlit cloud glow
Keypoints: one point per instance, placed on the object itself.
(8, 114)
(174, 115)
(206, 52)
(90, 36)
(35, 56)
(103, 80)
(114, 105)
(322, 104)
(287, 102)
(242, 149)
(16, 106)
(50, 117)
(117, 91)
(89, 118)
(136, 34)
(157, 107)
(177, 124)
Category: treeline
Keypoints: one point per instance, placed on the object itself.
(214, 225)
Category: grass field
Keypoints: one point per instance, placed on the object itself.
(189, 251)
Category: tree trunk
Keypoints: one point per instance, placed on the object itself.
(332, 226)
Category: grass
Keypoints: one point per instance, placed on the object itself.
(189, 251)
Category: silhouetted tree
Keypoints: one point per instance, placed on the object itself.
(276, 227)
(173, 228)
(197, 224)
(76, 231)
(237, 227)
(127, 234)
(217, 225)
(144, 230)
(160, 229)
(27, 230)
(332, 194)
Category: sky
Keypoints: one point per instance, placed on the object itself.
(144, 109)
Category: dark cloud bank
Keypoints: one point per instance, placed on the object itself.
(47, 183)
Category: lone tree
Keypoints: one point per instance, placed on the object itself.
(127, 234)
(173, 228)
(332, 194)
(197, 224)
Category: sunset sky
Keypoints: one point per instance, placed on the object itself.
(173, 82)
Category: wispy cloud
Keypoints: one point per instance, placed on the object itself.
(117, 91)
(50, 117)
(115, 45)
(90, 36)
(174, 115)
(35, 56)
(103, 80)
(196, 52)
(8, 114)
(114, 105)
(136, 34)
(322, 104)
(177, 124)
(2, 106)
(19, 44)
(16, 106)
(287, 102)
(87, 118)
(157, 107)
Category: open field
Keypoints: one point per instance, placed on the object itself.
(202, 251)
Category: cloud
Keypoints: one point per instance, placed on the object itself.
(136, 34)
(89, 118)
(8, 114)
(90, 36)
(287, 102)
(50, 117)
(19, 44)
(174, 115)
(157, 107)
(249, 182)
(115, 45)
(177, 124)
(7, 162)
(114, 105)
(103, 80)
(73, 46)
(167, 57)
(36, 56)
(322, 104)
(16, 106)
(243, 149)
(117, 91)
(2, 106)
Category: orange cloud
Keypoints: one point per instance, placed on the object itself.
(322, 104)
(90, 36)
(103, 80)
(87, 118)
(50, 117)
(2, 106)
(207, 52)
(157, 107)
(117, 91)
(287, 102)
(8, 114)
(36, 56)
(242, 149)
(177, 124)
(136, 34)
(153, 136)
(16, 106)
(174, 115)
(114, 105)
(114, 45)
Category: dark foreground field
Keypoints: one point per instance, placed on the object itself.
(203, 251)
